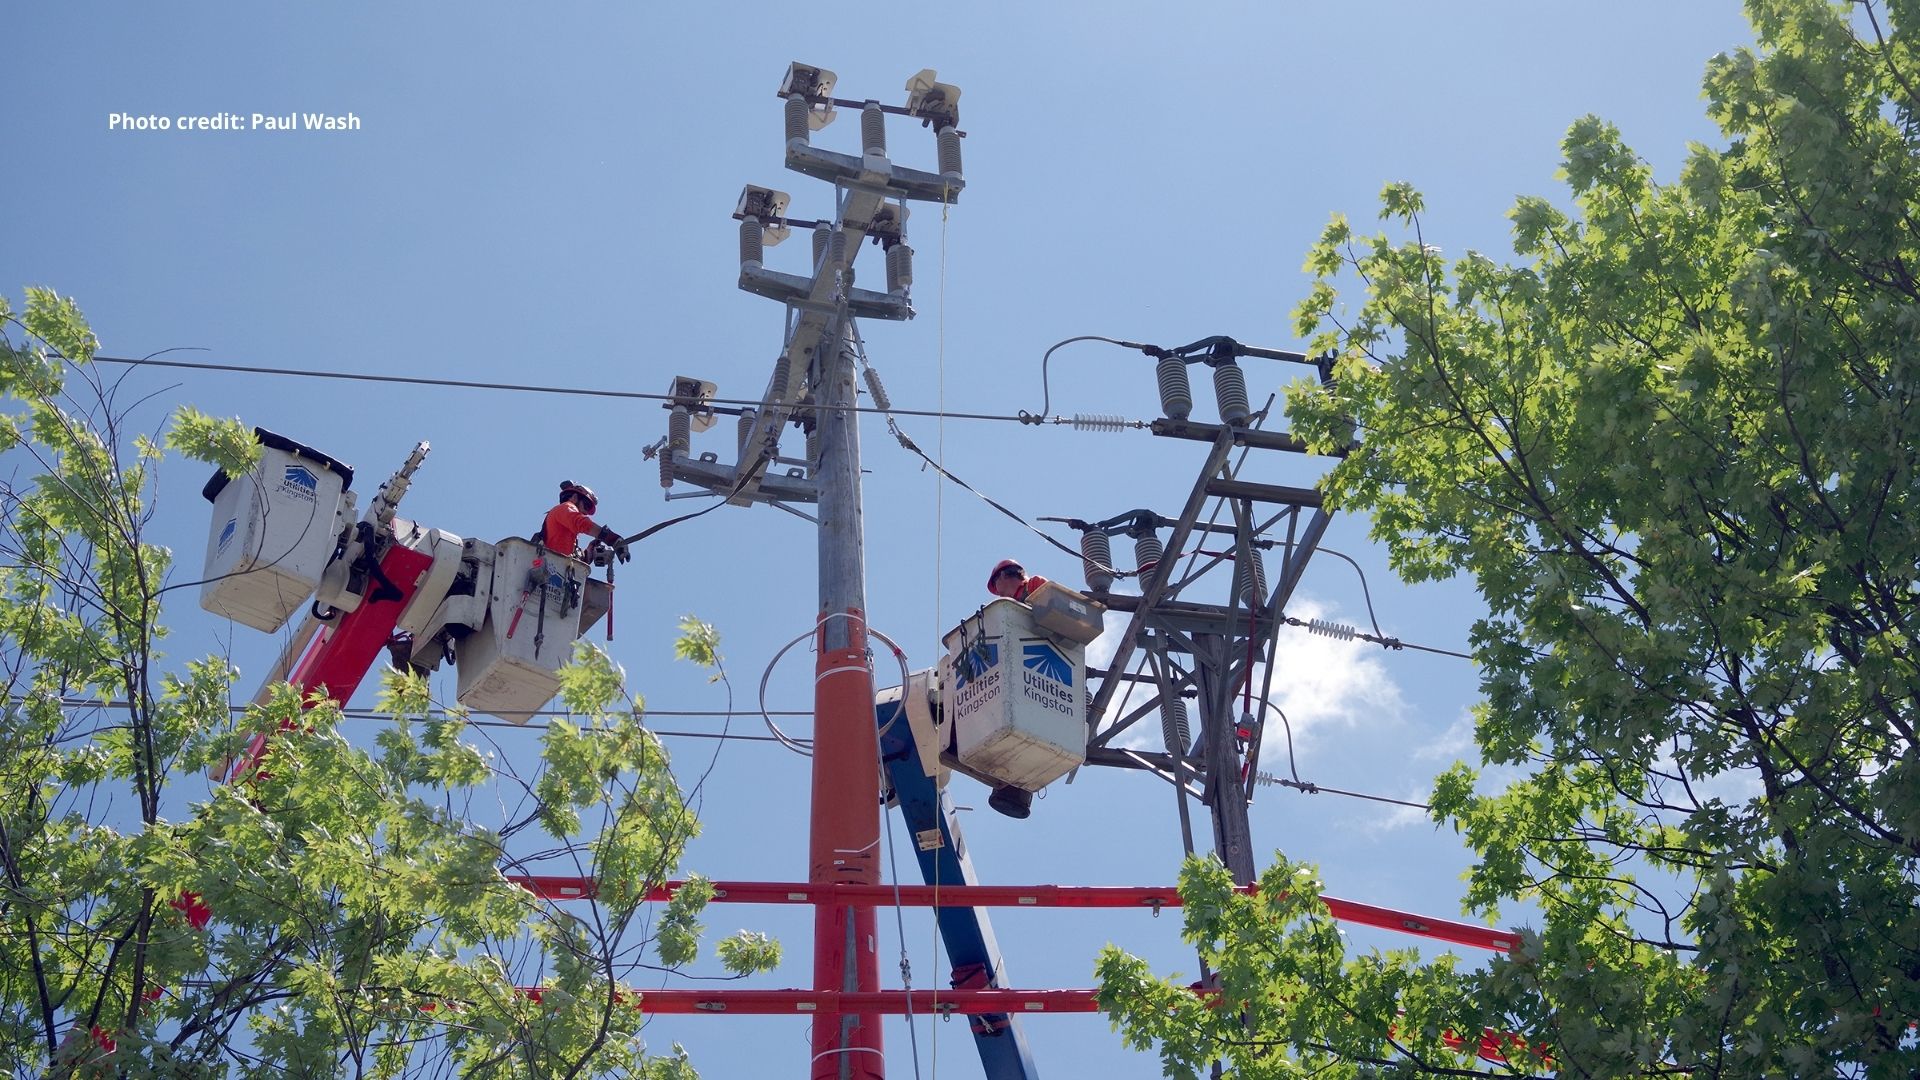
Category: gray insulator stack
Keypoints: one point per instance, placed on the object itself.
(949, 144)
(1230, 390)
(837, 250)
(1176, 393)
(1251, 565)
(752, 243)
(777, 385)
(797, 127)
(1096, 558)
(747, 417)
(877, 390)
(899, 269)
(873, 129)
(1146, 552)
(679, 437)
(1173, 725)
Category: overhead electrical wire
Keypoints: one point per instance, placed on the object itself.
(530, 388)
(370, 714)
(877, 391)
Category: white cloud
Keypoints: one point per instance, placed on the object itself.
(1454, 744)
(1321, 684)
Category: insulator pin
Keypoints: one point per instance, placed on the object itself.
(813, 448)
(1147, 550)
(797, 127)
(1230, 391)
(1096, 558)
(873, 129)
(752, 243)
(899, 269)
(1176, 393)
(1173, 725)
(948, 141)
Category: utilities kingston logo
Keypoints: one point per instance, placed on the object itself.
(226, 534)
(301, 481)
(974, 661)
(1046, 660)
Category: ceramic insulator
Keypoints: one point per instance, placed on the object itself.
(777, 385)
(797, 128)
(1096, 556)
(679, 437)
(899, 269)
(949, 144)
(1176, 393)
(1251, 593)
(1146, 552)
(873, 129)
(752, 243)
(1230, 391)
(1173, 725)
(1334, 630)
(877, 390)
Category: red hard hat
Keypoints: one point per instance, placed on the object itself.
(568, 487)
(1002, 565)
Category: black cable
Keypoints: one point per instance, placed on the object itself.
(1046, 390)
(1316, 789)
(909, 444)
(758, 467)
(1377, 637)
(1364, 591)
(630, 395)
(1344, 632)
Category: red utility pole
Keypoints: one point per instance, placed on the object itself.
(844, 841)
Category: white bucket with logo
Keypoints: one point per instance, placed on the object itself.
(509, 666)
(1016, 697)
(273, 532)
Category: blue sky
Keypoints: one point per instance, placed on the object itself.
(542, 196)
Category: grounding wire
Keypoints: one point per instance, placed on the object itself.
(804, 747)
(1307, 787)
(1376, 637)
(578, 391)
(1046, 390)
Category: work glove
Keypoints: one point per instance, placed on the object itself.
(622, 552)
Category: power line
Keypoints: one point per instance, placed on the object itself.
(369, 714)
(575, 391)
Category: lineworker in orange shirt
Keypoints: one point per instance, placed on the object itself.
(572, 518)
(1011, 581)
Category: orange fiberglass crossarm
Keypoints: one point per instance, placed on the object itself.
(558, 887)
(942, 1002)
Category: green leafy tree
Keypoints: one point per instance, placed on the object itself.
(342, 913)
(1674, 446)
